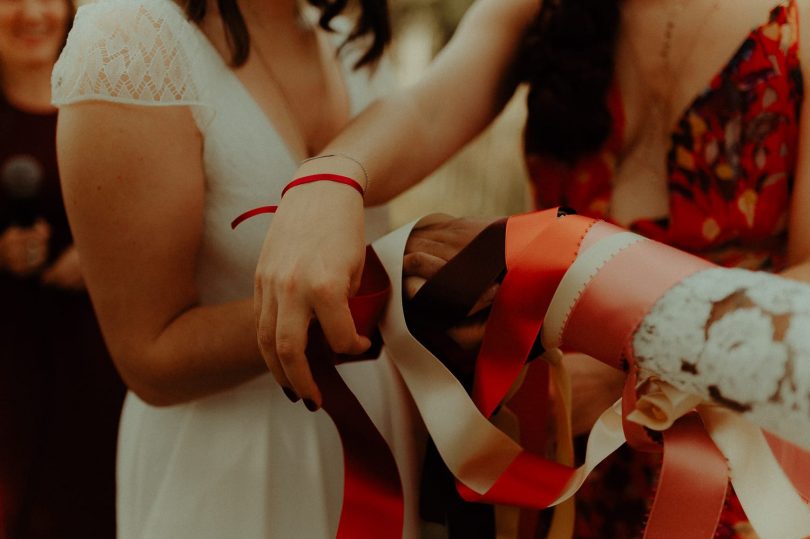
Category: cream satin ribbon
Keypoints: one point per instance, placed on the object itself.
(564, 519)
(770, 501)
(477, 452)
(474, 450)
(573, 283)
(774, 508)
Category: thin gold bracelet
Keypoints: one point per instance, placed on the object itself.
(344, 156)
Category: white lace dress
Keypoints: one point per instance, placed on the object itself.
(246, 463)
(738, 338)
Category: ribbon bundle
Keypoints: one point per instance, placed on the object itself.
(561, 277)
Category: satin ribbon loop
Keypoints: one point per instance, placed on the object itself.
(490, 466)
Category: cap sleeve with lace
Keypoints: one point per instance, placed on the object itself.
(139, 52)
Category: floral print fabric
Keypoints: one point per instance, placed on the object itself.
(731, 165)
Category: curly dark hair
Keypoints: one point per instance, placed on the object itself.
(373, 20)
(568, 61)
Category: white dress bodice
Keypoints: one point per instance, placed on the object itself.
(245, 463)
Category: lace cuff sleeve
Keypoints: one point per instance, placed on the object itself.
(137, 52)
(739, 338)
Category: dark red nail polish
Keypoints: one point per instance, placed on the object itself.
(311, 406)
(292, 395)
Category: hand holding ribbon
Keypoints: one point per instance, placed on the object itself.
(570, 276)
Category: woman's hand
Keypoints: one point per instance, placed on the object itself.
(311, 262)
(23, 251)
(433, 242)
(65, 272)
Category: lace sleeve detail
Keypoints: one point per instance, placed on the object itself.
(129, 51)
(739, 338)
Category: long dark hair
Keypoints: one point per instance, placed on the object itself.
(71, 14)
(568, 61)
(373, 20)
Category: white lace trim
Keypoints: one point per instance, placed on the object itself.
(129, 51)
(739, 338)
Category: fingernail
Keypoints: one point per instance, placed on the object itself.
(290, 394)
(311, 406)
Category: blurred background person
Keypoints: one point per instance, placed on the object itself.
(174, 118)
(60, 397)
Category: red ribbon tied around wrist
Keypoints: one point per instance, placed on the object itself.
(312, 178)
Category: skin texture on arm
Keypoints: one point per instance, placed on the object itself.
(403, 138)
(133, 186)
(313, 254)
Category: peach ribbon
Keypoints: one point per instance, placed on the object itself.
(475, 451)
(485, 460)
(589, 294)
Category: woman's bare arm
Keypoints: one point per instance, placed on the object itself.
(133, 187)
(315, 242)
(402, 138)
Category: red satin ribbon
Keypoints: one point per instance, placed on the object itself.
(795, 461)
(252, 213)
(692, 484)
(535, 267)
(694, 473)
(540, 248)
(372, 490)
(336, 178)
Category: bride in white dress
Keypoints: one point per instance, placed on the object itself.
(165, 135)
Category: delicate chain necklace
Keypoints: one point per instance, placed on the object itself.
(662, 101)
(286, 100)
(666, 46)
(650, 142)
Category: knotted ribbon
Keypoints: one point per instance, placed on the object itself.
(567, 268)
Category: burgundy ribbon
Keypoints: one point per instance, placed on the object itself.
(372, 489)
(335, 178)
(539, 250)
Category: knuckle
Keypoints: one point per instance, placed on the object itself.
(413, 262)
(266, 338)
(258, 284)
(326, 289)
(287, 284)
(286, 350)
(264, 280)
(342, 344)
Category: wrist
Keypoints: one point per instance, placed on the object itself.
(338, 164)
(301, 182)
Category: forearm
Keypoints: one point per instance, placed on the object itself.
(404, 137)
(204, 350)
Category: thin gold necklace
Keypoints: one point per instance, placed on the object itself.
(652, 139)
(666, 46)
(286, 100)
(662, 102)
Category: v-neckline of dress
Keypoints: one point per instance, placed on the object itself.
(265, 119)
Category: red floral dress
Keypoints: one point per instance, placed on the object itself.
(731, 167)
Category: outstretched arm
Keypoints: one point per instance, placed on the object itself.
(313, 253)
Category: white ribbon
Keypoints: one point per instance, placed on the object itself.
(771, 503)
(477, 453)
(474, 450)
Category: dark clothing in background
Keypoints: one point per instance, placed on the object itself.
(60, 397)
